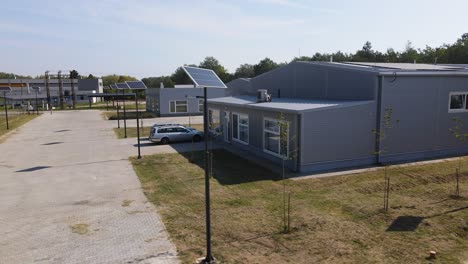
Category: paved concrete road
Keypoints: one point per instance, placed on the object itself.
(68, 194)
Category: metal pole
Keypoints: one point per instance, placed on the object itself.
(60, 89)
(125, 114)
(107, 104)
(138, 126)
(37, 110)
(209, 257)
(6, 110)
(118, 115)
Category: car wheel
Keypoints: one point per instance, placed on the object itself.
(196, 138)
(164, 141)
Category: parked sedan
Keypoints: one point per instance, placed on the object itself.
(166, 134)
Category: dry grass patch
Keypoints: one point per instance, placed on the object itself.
(129, 115)
(126, 203)
(334, 220)
(14, 122)
(80, 229)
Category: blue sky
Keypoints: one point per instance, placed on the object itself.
(152, 38)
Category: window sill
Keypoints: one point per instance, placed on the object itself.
(240, 141)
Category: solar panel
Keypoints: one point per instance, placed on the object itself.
(136, 85)
(112, 86)
(204, 77)
(5, 89)
(121, 85)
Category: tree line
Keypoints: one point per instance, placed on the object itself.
(455, 53)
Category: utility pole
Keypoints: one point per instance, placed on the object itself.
(60, 83)
(47, 89)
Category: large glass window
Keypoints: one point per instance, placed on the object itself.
(240, 127)
(200, 105)
(178, 107)
(458, 102)
(214, 120)
(276, 136)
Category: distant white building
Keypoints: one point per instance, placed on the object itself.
(22, 91)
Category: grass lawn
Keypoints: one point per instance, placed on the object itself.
(333, 220)
(144, 131)
(130, 115)
(14, 121)
(102, 106)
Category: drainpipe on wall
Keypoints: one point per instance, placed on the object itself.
(299, 141)
(378, 124)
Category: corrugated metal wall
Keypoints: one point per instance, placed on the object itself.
(311, 81)
(421, 106)
(340, 137)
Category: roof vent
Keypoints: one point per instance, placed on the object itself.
(263, 96)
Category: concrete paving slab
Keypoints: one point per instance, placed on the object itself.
(68, 194)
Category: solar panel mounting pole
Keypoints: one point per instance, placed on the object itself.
(138, 125)
(37, 110)
(204, 78)
(118, 114)
(125, 113)
(6, 109)
(209, 258)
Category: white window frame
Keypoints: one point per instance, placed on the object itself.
(278, 133)
(175, 106)
(464, 103)
(201, 103)
(238, 128)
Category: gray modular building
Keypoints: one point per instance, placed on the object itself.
(327, 116)
(179, 101)
(22, 91)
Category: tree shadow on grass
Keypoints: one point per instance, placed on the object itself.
(410, 223)
(405, 223)
(230, 169)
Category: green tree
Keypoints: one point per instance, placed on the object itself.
(410, 54)
(213, 64)
(125, 78)
(365, 54)
(265, 65)
(181, 77)
(391, 55)
(155, 82)
(245, 71)
(107, 80)
(4, 75)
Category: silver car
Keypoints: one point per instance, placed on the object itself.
(166, 134)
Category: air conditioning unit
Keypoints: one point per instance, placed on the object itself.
(263, 96)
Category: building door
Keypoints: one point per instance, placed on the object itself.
(226, 126)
